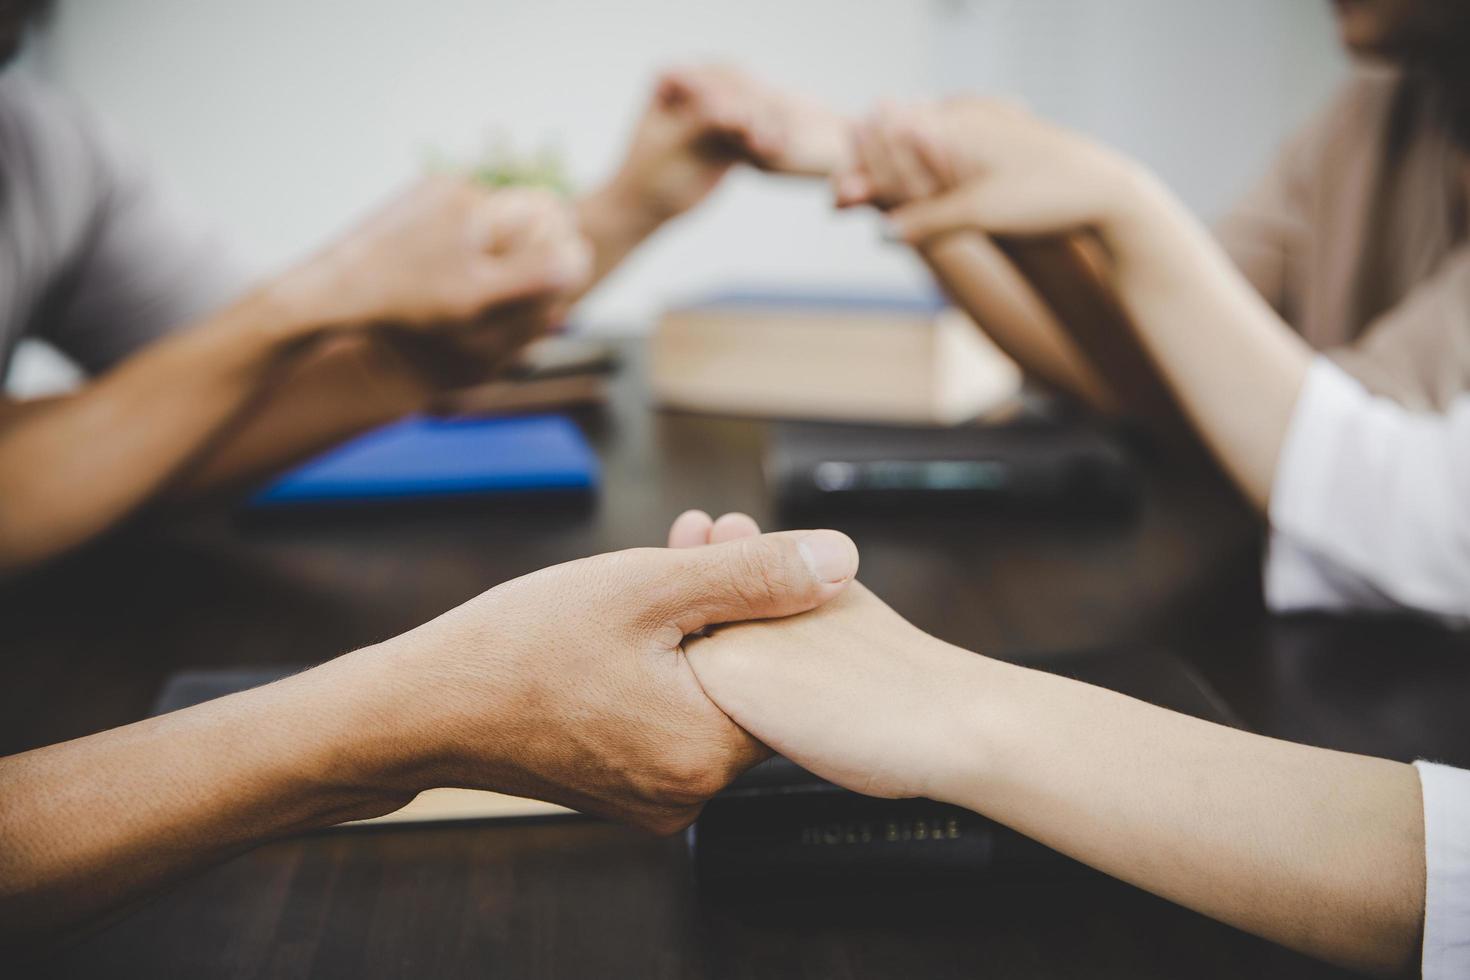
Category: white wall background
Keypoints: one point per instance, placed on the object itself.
(282, 119)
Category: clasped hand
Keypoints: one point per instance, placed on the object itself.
(572, 684)
(610, 684)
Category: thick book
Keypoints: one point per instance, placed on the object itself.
(781, 826)
(550, 374)
(839, 356)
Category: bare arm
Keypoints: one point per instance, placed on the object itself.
(72, 466)
(1231, 364)
(989, 287)
(1234, 367)
(1317, 850)
(1321, 851)
(91, 824)
(446, 263)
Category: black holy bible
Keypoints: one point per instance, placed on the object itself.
(779, 824)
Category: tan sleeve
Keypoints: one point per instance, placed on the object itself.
(1266, 230)
(1418, 352)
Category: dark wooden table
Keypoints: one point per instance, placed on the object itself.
(88, 642)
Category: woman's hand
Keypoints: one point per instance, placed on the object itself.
(987, 165)
(851, 691)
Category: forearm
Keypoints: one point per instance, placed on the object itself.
(1321, 851)
(983, 281)
(338, 389)
(1231, 363)
(74, 466)
(615, 219)
(91, 824)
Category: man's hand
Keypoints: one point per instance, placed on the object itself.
(851, 691)
(448, 254)
(701, 121)
(571, 684)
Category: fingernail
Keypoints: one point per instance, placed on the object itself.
(830, 556)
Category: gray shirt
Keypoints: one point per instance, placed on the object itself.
(93, 259)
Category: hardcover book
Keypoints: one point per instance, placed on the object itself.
(839, 356)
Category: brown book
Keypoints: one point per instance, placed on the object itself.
(837, 359)
(514, 396)
(551, 374)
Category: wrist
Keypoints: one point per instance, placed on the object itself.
(617, 216)
(969, 751)
(1142, 220)
(318, 295)
(370, 742)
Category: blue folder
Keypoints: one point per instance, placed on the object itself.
(432, 457)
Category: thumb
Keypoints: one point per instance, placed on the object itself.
(1031, 204)
(761, 577)
(851, 188)
(959, 209)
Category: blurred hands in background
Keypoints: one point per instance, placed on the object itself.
(701, 121)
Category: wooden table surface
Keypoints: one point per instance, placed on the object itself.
(89, 641)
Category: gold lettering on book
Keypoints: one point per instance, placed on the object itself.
(890, 831)
(837, 833)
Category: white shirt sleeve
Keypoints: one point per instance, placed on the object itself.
(1447, 871)
(1370, 508)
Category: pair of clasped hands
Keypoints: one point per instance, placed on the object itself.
(465, 275)
(637, 684)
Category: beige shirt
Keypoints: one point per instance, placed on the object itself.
(1358, 237)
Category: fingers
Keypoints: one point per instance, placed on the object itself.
(694, 528)
(931, 218)
(852, 187)
(533, 247)
(895, 160)
(896, 130)
(534, 273)
(733, 527)
(690, 529)
(758, 577)
(878, 165)
(502, 221)
(932, 153)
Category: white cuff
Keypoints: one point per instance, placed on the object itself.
(1447, 871)
(1297, 576)
(1370, 498)
(1306, 470)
